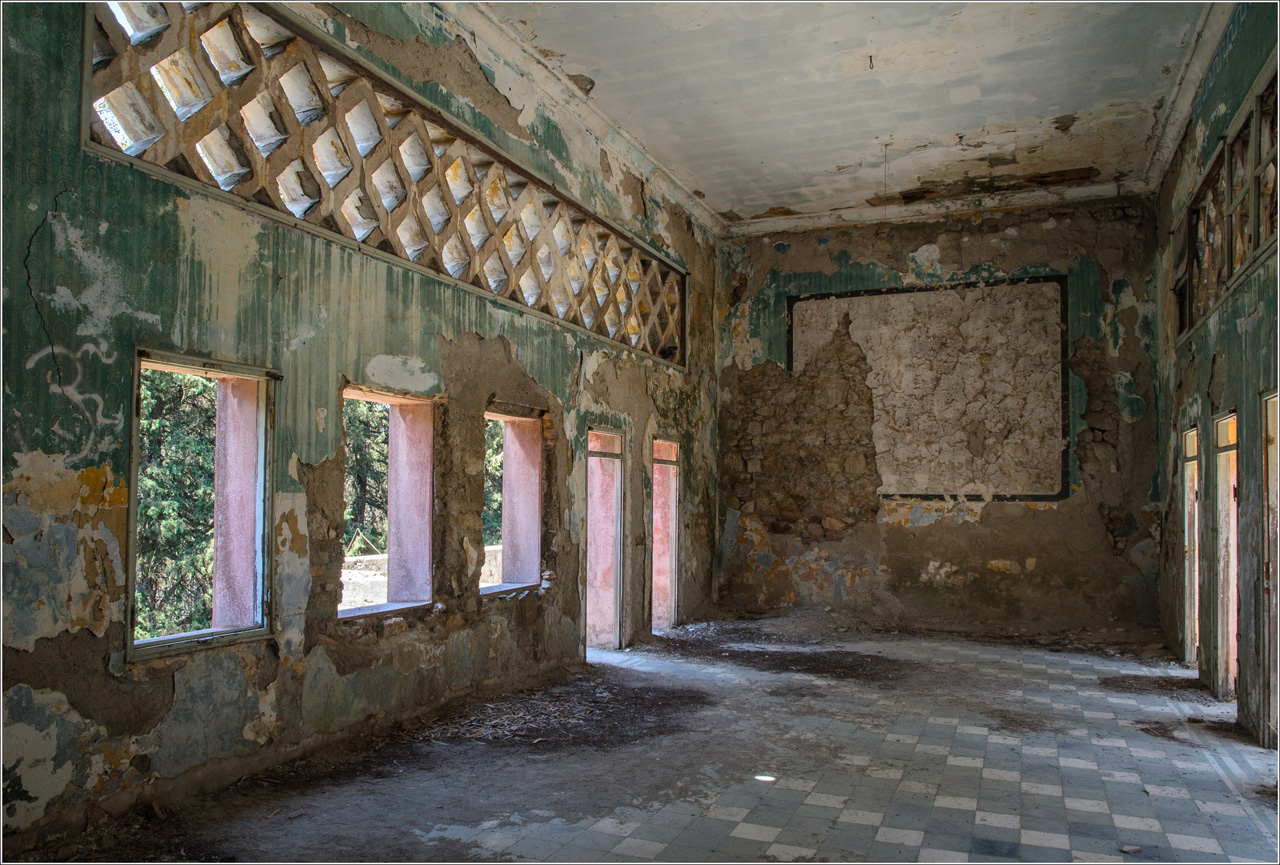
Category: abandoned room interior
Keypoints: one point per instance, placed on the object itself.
(575, 432)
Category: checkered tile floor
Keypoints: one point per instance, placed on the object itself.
(926, 783)
(941, 750)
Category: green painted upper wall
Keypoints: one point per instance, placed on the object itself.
(100, 258)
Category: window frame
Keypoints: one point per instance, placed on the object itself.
(504, 413)
(391, 399)
(1247, 120)
(197, 364)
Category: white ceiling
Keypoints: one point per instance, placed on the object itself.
(835, 111)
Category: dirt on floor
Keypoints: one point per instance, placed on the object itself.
(564, 721)
(597, 707)
(1184, 688)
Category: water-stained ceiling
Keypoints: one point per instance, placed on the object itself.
(810, 111)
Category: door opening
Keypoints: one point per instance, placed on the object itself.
(665, 533)
(1224, 439)
(604, 540)
(1191, 541)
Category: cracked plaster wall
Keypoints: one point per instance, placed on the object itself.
(1225, 363)
(100, 258)
(966, 384)
(1089, 559)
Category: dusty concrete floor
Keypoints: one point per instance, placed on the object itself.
(880, 746)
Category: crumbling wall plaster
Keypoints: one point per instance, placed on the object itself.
(1087, 559)
(1226, 363)
(100, 258)
(966, 384)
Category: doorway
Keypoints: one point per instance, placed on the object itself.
(604, 540)
(665, 533)
(1191, 541)
(1224, 440)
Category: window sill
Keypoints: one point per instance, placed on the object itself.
(505, 589)
(375, 609)
(193, 642)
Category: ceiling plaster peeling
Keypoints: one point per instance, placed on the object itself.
(781, 112)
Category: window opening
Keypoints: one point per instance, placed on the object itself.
(1224, 438)
(1237, 194)
(200, 498)
(511, 520)
(490, 227)
(388, 493)
(1266, 162)
(665, 533)
(604, 540)
(1191, 540)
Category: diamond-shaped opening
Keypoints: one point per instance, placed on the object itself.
(358, 210)
(495, 274)
(301, 94)
(331, 157)
(495, 195)
(612, 321)
(454, 257)
(613, 266)
(480, 163)
(140, 21)
(337, 75)
(516, 184)
(600, 289)
(129, 119)
(622, 298)
(103, 51)
(263, 122)
(225, 53)
(529, 288)
(561, 300)
(530, 219)
(412, 237)
(655, 337)
(364, 127)
(388, 185)
(183, 86)
(577, 276)
(476, 228)
(589, 312)
(222, 154)
(440, 139)
(515, 246)
(586, 249)
(546, 261)
(563, 235)
(265, 31)
(393, 109)
(633, 328)
(459, 184)
(437, 212)
(671, 292)
(633, 273)
(298, 188)
(415, 158)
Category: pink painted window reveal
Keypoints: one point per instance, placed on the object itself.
(666, 451)
(604, 443)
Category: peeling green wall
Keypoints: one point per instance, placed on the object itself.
(101, 258)
(1225, 363)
